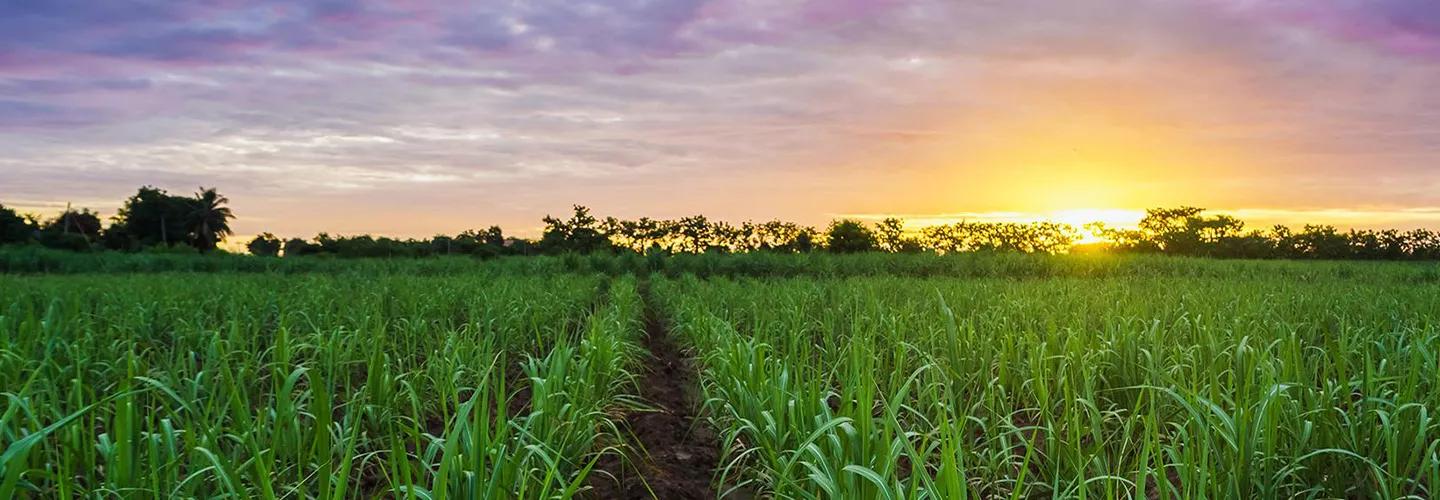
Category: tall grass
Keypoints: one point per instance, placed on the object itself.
(38, 260)
(827, 377)
(316, 386)
(1248, 386)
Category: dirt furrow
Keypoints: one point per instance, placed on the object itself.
(675, 453)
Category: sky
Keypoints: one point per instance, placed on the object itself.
(411, 118)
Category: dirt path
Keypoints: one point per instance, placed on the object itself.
(677, 452)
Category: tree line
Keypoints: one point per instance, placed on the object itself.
(152, 218)
(1189, 231)
(155, 219)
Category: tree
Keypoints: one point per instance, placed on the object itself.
(1174, 230)
(493, 236)
(781, 236)
(1034, 237)
(581, 233)
(692, 233)
(265, 245)
(804, 241)
(442, 245)
(82, 222)
(849, 236)
(208, 222)
(75, 230)
(1323, 242)
(14, 228)
(295, 247)
(1184, 231)
(890, 236)
(487, 243)
(151, 217)
(642, 235)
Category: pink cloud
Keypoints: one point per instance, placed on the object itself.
(1406, 27)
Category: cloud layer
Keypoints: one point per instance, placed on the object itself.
(416, 117)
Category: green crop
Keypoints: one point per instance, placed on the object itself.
(1241, 387)
(267, 386)
(899, 377)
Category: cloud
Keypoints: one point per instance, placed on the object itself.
(805, 108)
(1407, 27)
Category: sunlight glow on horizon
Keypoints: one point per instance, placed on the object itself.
(1123, 218)
(407, 119)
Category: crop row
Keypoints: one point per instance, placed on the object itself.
(1245, 387)
(508, 385)
(266, 386)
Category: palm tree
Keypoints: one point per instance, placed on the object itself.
(209, 220)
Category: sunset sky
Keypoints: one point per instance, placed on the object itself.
(413, 118)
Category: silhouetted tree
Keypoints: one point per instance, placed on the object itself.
(442, 245)
(1185, 231)
(1322, 242)
(71, 230)
(644, 235)
(152, 217)
(581, 233)
(265, 245)
(1123, 240)
(1422, 244)
(781, 236)
(1251, 245)
(15, 228)
(1041, 237)
(487, 243)
(890, 237)
(208, 222)
(1174, 230)
(296, 247)
(82, 222)
(849, 236)
(692, 234)
(805, 240)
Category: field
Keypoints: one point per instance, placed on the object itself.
(859, 377)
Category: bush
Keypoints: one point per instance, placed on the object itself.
(849, 236)
(265, 245)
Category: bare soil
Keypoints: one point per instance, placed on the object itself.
(675, 453)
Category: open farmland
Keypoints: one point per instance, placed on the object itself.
(1237, 387)
(982, 377)
(309, 386)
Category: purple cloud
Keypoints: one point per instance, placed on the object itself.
(1410, 27)
(537, 103)
(22, 115)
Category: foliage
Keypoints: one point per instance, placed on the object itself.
(73, 230)
(13, 227)
(152, 218)
(209, 220)
(1187, 231)
(82, 222)
(265, 245)
(890, 237)
(580, 233)
(74, 242)
(862, 375)
(849, 236)
(1245, 384)
(268, 386)
(1039, 237)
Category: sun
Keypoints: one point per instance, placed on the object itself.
(1111, 217)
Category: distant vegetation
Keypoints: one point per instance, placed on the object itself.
(153, 220)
